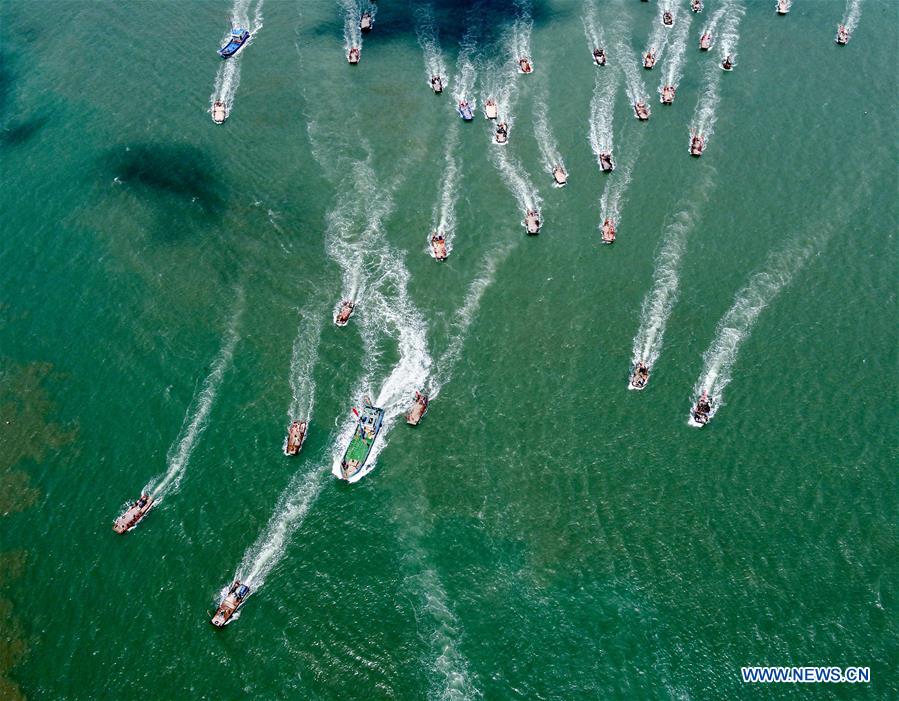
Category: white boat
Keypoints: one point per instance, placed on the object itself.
(532, 222)
(490, 111)
(560, 176)
(219, 112)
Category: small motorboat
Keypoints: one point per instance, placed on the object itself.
(559, 175)
(524, 65)
(668, 19)
(438, 246)
(705, 42)
(465, 111)
(354, 55)
(490, 111)
(696, 5)
(639, 377)
(234, 599)
(236, 41)
(783, 7)
(608, 231)
(697, 143)
(502, 134)
(366, 21)
(606, 164)
(649, 59)
(667, 96)
(219, 113)
(418, 410)
(345, 312)
(133, 514)
(727, 64)
(436, 84)
(702, 412)
(532, 222)
(842, 35)
(641, 110)
(296, 436)
(599, 56)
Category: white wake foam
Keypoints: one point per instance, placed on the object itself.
(613, 199)
(444, 216)
(198, 412)
(592, 29)
(631, 66)
(466, 71)
(352, 35)
(852, 14)
(673, 69)
(517, 180)
(660, 34)
(549, 148)
(730, 30)
(227, 78)
(519, 41)
(602, 111)
(302, 365)
(428, 39)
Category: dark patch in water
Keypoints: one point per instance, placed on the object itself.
(179, 171)
(18, 133)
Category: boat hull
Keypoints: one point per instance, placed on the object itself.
(360, 449)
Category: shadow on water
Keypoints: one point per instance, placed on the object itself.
(175, 172)
(14, 132)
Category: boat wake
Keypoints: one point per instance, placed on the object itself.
(711, 27)
(352, 34)
(443, 219)
(660, 300)
(302, 365)
(631, 67)
(428, 39)
(737, 323)
(612, 200)
(674, 67)
(227, 79)
(592, 29)
(730, 34)
(852, 14)
(198, 412)
(519, 42)
(466, 70)
(549, 148)
(660, 34)
(517, 180)
(602, 110)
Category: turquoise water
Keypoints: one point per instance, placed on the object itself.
(167, 293)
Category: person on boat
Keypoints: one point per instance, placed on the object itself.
(696, 5)
(667, 19)
(525, 65)
(727, 64)
(705, 42)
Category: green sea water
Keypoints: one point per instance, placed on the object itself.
(167, 288)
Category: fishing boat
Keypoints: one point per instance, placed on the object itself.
(842, 37)
(727, 64)
(606, 164)
(352, 466)
(705, 42)
(418, 410)
(219, 112)
(345, 312)
(490, 111)
(524, 65)
(133, 515)
(696, 5)
(641, 110)
(532, 222)
(438, 246)
(296, 436)
(354, 55)
(639, 377)
(236, 41)
(701, 413)
(667, 96)
(783, 7)
(649, 59)
(234, 599)
(667, 19)
(599, 56)
(436, 84)
(366, 21)
(465, 111)
(697, 143)
(608, 231)
(502, 134)
(560, 176)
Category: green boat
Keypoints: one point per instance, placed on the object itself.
(352, 467)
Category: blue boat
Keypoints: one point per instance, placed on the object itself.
(465, 111)
(239, 38)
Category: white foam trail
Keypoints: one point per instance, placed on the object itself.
(631, 66)
(592, 28)
(444, 216)
(302, 364)
(520, 36)
(706, 112)
(352, 35)
(426, 30)
(711, 27)
(660, 300)
(602, 111)
(612, 201)
(227, 79)
(198, 412)
(658, 37)
(517, 180)
(674, 68)
(549, 149)
(465, 70)
(736, 325)
(730, 34)
(852, 14)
